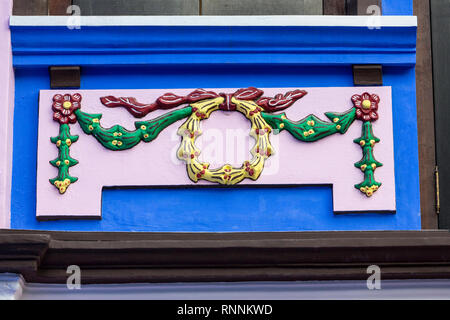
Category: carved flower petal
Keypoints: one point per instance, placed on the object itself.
(60, 118)
(72, 118)
(365, 96)
(58, 97)
(76, 97)
(57, 106)
(374, 106)
(67, 97)
(374, 116)
(366, 111)
(357, 103)
(64, 120)
(356, 98)
(375, 98)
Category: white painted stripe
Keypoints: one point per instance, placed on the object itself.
(309, 21)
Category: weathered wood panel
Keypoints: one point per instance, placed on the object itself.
(58, 7)
(368, 75)
(262, 7)
(178, 7)
(65, 77)
(360, 7)
(334, 7)
(425, 116)
(440, 17)
(30, 7)
(137, 7)
(202, 257)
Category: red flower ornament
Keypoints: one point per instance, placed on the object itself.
(64, 107)
(366, 106)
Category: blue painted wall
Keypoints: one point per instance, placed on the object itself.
(201, 57)
(398, 7)
(295, 209)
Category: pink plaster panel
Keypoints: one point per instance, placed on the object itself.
(329, 161)
(6, 113)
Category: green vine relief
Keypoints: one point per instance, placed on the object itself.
(311, 128)
(118, 138)
(368, 163)
(64, 161)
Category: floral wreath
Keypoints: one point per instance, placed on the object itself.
(227, 174)
(201, 103)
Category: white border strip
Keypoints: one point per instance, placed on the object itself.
(300, 21)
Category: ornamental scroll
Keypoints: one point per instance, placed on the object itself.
(281, 113)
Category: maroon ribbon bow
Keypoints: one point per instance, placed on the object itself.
(170, 100)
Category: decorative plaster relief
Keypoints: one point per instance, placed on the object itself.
(196, 106)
